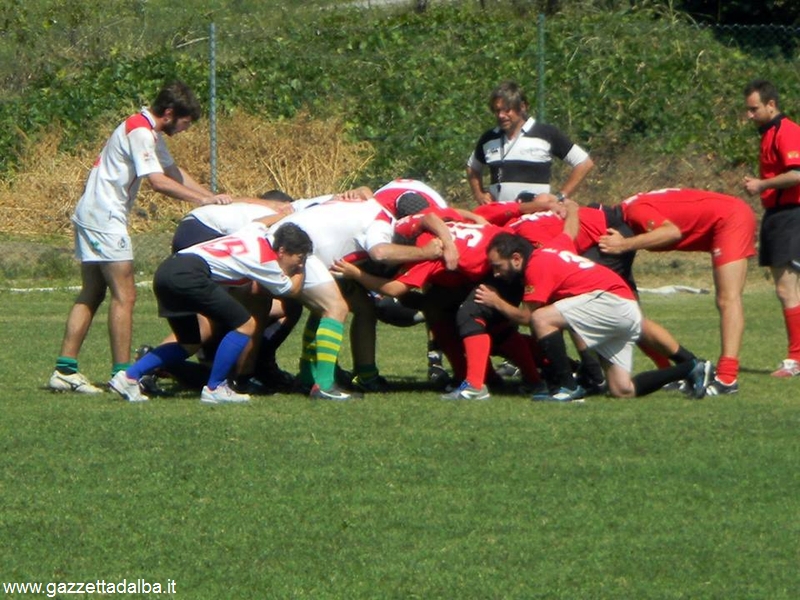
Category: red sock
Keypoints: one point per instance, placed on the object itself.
(727, 369)
(792, 318)
(477, 349)
(517, 349)
(661, 361)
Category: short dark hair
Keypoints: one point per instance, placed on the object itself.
(180, 98)
(506, 244)
(410, 203)
(276, 195)
(766, 90)
(292, 239)
(512, 95)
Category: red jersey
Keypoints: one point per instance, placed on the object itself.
(780, 152)
(471, 241)
(557, 272)
(699, 215)
(541, 227)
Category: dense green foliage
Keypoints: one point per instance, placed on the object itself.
(416, 83)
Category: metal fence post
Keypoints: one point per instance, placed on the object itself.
(212, 107)
(540, 86)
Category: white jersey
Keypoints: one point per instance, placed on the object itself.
(341, 229)
(245, 255)
(227, 218)
(134, 150)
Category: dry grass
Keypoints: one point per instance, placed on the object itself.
(302, 157)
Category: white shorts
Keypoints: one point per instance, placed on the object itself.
(608, 324)
(316, 273)
(96, 246)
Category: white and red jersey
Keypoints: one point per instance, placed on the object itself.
(556, 272)
(134, 150)
(343, 230)
(388, 194)
(243, 256)
(471, 241)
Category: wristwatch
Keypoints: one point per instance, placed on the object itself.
(560, 196)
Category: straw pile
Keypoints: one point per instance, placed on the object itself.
(302, 157)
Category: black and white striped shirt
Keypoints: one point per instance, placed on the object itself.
(523, 164)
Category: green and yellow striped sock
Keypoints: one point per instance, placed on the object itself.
(329, 342)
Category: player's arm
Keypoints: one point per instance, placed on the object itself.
(576, 176)
(572, 222)
(471, 216)
(779, 182)
(475, 180)
(358, 194)
(433, 223)
(387, 287)
(488, 296)
(298, 279)
(665, 235)
(170, 183)
(398, 254)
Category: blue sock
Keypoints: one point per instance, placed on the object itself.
(166, 354)
(230, 348)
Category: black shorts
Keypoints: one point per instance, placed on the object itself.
(190, 231)
(779, 239)
(184, 288)
(473, 318)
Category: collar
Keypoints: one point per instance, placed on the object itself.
(526, 127)
(149, 116)
(773, 123)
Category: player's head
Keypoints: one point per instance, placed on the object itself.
(410, 203)
(277, 195)
(761, 101)
(293, 245)
(177, 104)
(509, 105)
(508, 255)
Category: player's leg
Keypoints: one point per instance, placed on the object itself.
(729, 282)
(787, 289)
(66, 376)
(323, 334)
(121, 283)
(548, 324)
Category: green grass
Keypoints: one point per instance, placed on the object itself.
(402, 495)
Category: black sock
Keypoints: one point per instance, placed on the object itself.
(682, 355)
(555, 350)
(651, 381)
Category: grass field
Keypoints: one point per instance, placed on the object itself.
(402, 495)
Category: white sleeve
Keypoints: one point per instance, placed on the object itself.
(144, 152)
(474, 164)
(576, 156)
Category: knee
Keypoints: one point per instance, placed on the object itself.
(336, 311)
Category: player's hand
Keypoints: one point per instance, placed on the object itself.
(484, 198)
(752, 185)
(612, 242)
(220, 199)
(344, 269)
(450, 256)
(486, 295)
(433, 250)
